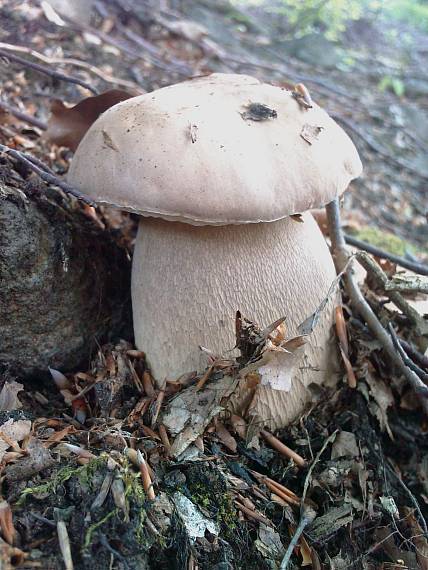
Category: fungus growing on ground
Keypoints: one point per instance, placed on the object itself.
(216, 166)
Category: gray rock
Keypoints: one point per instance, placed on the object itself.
(64, 284)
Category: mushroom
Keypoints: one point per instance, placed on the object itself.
(215, 166)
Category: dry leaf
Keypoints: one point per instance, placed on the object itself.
(9, 396)
(224, 436)
(67, 125)
(6, 523)
(11, 433)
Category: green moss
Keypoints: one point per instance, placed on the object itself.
(84, 473)
(95, 526)
(387, 241)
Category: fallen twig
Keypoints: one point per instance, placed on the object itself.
(23, 116)
(253, 514)
(414, 354)
(71, 61)
(406, 284)
(407, 361)
(47, 71)
(45, 173)
(283, 449)
(308, 515)
(417, 267)
(360, 304)
(410, 495)
(280, 490)
(382, 280)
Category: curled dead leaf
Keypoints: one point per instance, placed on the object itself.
(68, 125)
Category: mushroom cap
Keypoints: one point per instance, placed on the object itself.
(219, 149)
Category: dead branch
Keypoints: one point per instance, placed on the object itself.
(45, 173)
(74, 62)
(308, 516)
(381, 280)
(46, 70)
(414, 354)
(23, 116)
(406, 284)
(283, 449)
(378, 252)
(363, 308)
(407, 361)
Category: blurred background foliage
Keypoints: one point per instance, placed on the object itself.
(332, 16)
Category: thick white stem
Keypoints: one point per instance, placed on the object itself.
(189, 281)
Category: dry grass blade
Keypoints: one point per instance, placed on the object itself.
(64, 545)
(283, 449)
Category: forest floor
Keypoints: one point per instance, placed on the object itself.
(72, 497)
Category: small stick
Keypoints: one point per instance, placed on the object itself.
(75, 62)
(23, 116)
(407, 361)
(47, 71)
(308, 515)
(420, 268)
(363, 308)
(397, 298)
(276, 487)
(45, 173)
(414, 354)
(204, 378)
(283, 449)
(255, 515)
(145, 477)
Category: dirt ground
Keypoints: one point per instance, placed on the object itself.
(80, 443)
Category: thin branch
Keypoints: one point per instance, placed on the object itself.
(414, 354)
(45, 173)
(411, 496)
(397, 298)
(308, 516)
(407, 361)
(46, 70)
(74, 62)
(23, 116)
(363, 308)
(378, 252)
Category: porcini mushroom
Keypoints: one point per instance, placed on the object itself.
(215, 166)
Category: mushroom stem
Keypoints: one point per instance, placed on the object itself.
(188, 282)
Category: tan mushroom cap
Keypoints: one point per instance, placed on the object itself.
(193, 152)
